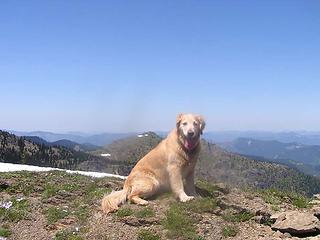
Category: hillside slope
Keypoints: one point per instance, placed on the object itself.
(128, 151)
(216, 164)
(305, 158)
(15, 149)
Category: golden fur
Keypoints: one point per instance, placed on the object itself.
(169, 166)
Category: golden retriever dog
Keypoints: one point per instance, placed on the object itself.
(169, 166)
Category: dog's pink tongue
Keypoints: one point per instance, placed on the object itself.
(188, 144)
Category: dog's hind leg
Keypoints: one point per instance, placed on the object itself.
(143, 188)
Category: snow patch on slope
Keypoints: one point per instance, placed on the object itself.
(10, 167)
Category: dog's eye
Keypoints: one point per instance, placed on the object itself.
(184, 123)
(195, 123)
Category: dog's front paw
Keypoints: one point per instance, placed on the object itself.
(186, 198)
(143, 202)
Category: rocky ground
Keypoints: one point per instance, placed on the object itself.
(57, 205)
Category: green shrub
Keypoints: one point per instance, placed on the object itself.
(200, 205)
(53, 214)
(230, 231)
(205, 189)
(238, 217)
(145, 212)
(67, 235)
(124, 212)
(49, 191)
(4, 232)
(18, 211)
(147, 235)
(275, 197)
(179, 223)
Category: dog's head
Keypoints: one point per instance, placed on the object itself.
(189, 128)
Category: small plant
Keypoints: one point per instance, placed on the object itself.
(67, 235)
(71, 187)
(49, 191)
(238, 217)
(179, 224)
(200, 205)
(53, 214)
(205, 189)
(275, 197)
(124, 212)
(275, 208)
(145, 212)
(93, 192)
(147, 235)
(18, 211)
(300, 201)
(230, 231)
(82, 213)
(4, 232)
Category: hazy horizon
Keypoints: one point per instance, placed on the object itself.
(133, 66)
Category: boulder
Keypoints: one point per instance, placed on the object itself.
(297, 223)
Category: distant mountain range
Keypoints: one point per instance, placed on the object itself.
(303, 137)
(304, 157)
(307, 138)
(78, 137)
(63, 142)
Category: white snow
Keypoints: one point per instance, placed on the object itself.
(10, 167)
(105, 155)
(142, 135)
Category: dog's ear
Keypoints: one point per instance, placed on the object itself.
(178, 120)
(202, 123)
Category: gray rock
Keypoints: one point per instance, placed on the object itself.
(315, 202)
(287, 235)
(277, 215)
(297, 223)
(316, 212)
(313, 238)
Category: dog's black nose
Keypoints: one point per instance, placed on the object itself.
(190, 134)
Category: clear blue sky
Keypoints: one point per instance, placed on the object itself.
(116, 66)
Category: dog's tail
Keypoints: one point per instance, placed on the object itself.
(111, 202)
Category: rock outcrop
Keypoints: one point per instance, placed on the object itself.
(297, 223)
